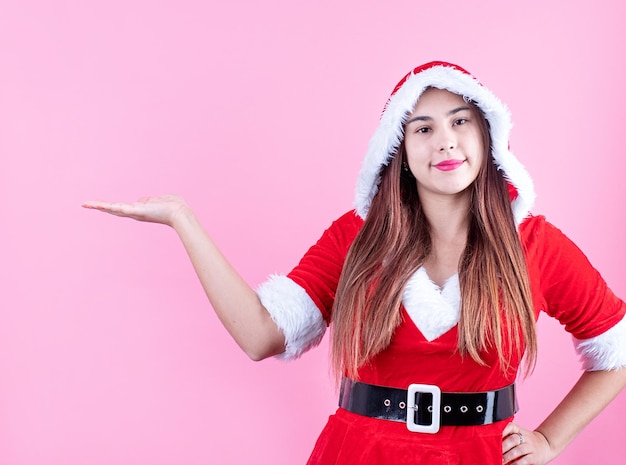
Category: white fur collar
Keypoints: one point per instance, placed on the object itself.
(434, 311)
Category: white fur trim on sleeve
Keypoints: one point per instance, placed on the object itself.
(606, 351)
(295, 313)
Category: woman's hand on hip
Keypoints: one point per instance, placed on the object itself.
(524, 447)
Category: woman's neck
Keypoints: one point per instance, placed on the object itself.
(448, 217)
(449, 220)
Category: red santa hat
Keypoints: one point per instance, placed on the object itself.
(390, 132)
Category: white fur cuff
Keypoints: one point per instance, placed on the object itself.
(294, 312)
(606, 351)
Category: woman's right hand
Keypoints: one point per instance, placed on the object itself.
(234, 301)
(162, 209)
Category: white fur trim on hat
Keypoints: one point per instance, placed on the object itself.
(294, 312)
(390, 133)
(606, 351)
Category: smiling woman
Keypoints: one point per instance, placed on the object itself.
(443, 145)
(432, 287)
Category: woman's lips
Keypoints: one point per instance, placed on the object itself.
(449, 165)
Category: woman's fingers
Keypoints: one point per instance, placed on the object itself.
(162, 209)
(114, 208)
(524, 447)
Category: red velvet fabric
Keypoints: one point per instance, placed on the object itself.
(564, 285)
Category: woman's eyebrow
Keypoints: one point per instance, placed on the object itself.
(428, 118)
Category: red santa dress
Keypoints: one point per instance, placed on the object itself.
(424, 347)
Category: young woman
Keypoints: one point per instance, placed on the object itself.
(432, 285)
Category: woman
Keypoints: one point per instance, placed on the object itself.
(432, 285)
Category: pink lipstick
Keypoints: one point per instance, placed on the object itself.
(449, 165)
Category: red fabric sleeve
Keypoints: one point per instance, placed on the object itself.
(565, 285)
(319, 270)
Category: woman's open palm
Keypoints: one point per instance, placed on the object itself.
(162, 209)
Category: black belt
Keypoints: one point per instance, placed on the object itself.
(428, 407)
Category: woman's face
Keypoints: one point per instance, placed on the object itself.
(443, 143)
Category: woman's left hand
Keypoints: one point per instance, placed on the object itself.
(524, 447)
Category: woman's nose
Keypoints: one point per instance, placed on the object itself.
(447, 141)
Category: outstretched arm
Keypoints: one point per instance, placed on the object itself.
(235, 302)
(593, 391)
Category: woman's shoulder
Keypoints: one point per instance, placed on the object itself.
(537, 228)
(532, 223)
(348, 224)
(546, 244)
(350, 217)
(340, 234)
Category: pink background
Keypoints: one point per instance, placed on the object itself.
(259, 113)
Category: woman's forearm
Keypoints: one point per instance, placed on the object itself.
(593, 391)
(235, 302)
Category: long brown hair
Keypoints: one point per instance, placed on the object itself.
(496, 309)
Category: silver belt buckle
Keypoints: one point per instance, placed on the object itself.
(412, 408)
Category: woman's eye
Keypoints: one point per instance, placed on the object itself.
(422, 130)
(460, 121)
